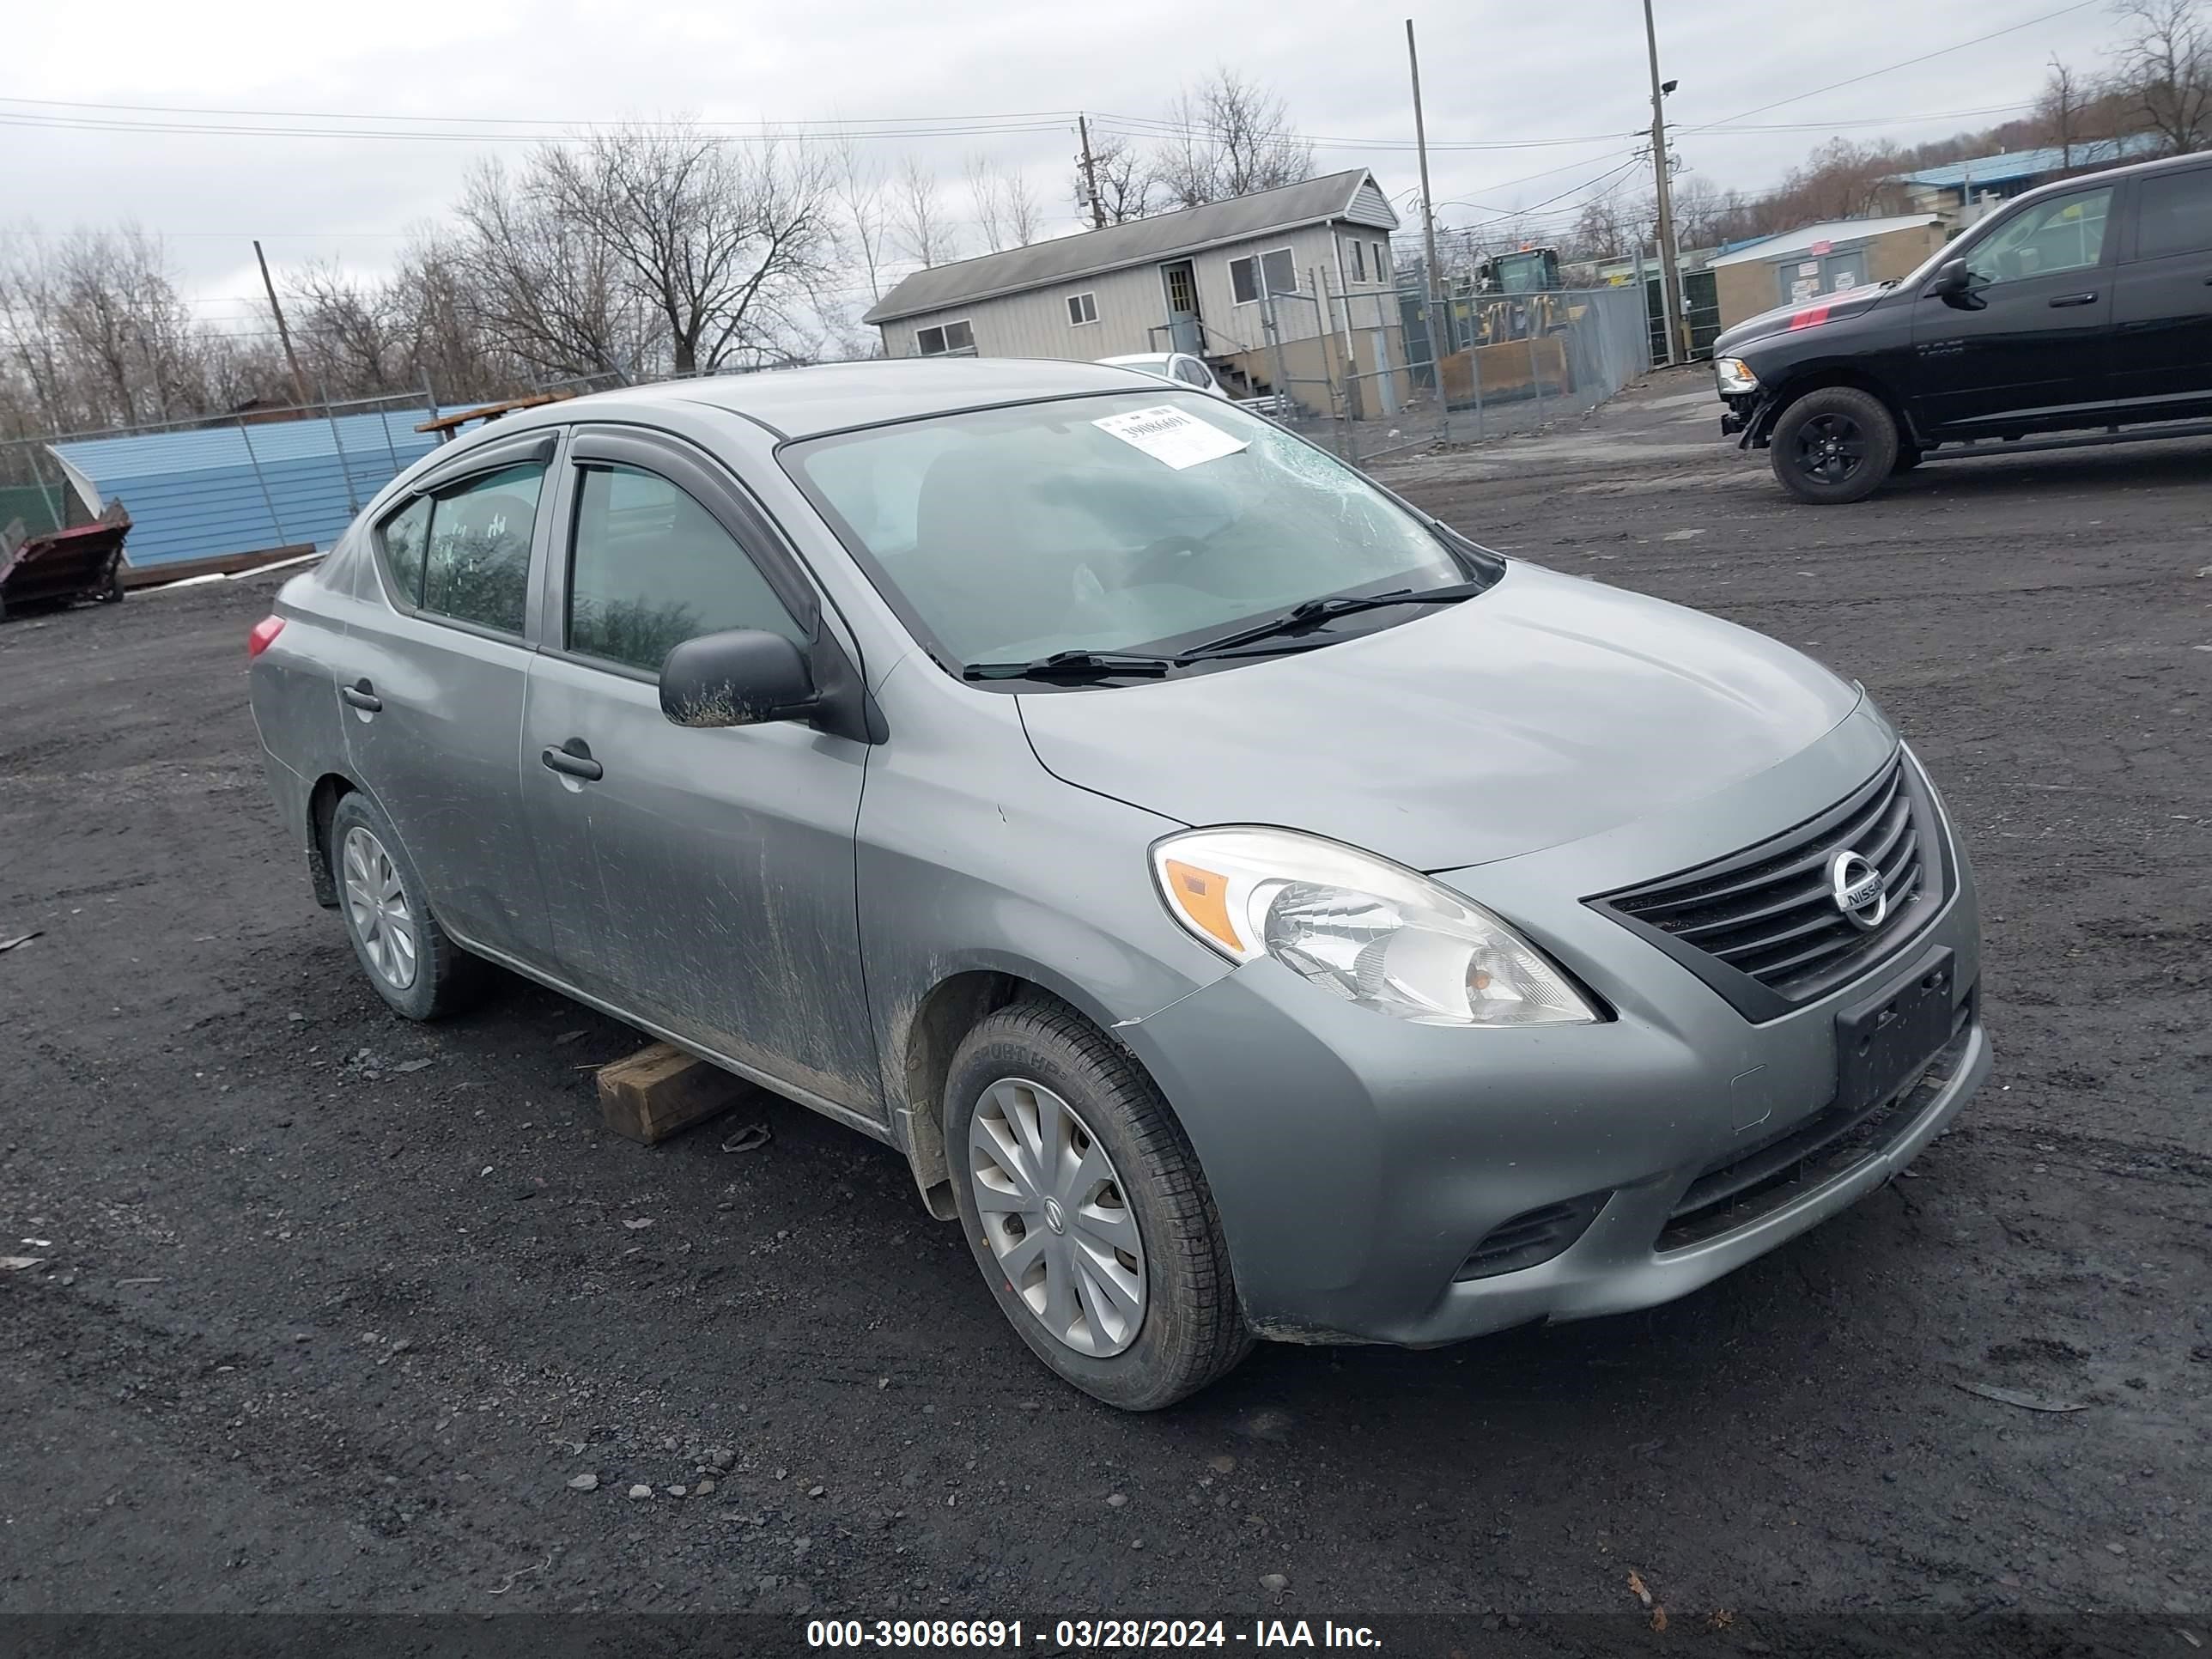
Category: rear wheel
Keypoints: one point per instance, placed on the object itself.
(407, 956)
(1834, 445)
(1086, 1210)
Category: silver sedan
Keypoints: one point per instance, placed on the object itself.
(1253, 909)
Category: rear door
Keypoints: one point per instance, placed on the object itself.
(2162, 308)
(699, 879)
(432, 672)
(2027, 348)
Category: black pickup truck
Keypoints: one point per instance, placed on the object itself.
(2083, 307)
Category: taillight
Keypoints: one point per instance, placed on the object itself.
(263, 636)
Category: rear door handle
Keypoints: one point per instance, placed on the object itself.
(569, 763)
(363, 696)
(2089, 299)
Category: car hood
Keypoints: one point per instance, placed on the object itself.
(1810, 313)
(1544, 710)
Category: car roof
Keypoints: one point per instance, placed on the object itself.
(803, 403)
(2133, 169)
(1142, 357)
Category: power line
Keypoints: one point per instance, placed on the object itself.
(1940, 52)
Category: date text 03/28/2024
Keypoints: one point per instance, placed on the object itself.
(1013, 1636)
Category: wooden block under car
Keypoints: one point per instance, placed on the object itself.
(652, 1094)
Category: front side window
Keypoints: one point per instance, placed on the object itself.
(1010, 534)
(1191, 372)
(2174, 214)
(651, 569)
(952, 339)
(2064, 234)
(477, 566)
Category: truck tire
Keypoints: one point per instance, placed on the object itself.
(1834, 445)
(1086, 1209)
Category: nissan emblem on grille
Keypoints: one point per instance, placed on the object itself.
(1860, 891)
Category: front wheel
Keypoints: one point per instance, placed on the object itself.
(1834, 445)
(1086, 1210)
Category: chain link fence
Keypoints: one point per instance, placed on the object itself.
(1368, 372)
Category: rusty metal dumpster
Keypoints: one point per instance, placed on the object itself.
(58, 566)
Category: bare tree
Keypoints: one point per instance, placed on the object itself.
(353, 335)
(984, 190)
(2165, 65)
(1125, 185)
(726, 245)
(918, 227)
(858, 182)
(1232, 138)
(2060, 109)
(538, 286)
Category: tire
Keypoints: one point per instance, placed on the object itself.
(1834, 445)
(1016, 1071)
(408, 959)
(110, 589)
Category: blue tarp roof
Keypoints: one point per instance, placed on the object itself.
(232, 489)
(2015, 165)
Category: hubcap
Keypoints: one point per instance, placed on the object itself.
(1057, 1217)
(382, 919)
(1831, 447)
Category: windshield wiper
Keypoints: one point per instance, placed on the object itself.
(1073, 665)
(1313, 612)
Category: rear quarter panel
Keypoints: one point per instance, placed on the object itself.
(292, 689)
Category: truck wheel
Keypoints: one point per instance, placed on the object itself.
(407, 956)
(1834, 445)
(1086, 1210)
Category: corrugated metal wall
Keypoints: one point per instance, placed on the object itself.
(244, 489)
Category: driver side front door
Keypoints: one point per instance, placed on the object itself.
(2025, 347)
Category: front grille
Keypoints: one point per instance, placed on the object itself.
(1767, 915)
(1756, 1181)
(1531, 1237)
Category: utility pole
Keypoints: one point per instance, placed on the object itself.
(1091, 175)
(299, 380)
(1670, 275)
(1437, 344)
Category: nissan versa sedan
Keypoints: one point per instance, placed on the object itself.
(1254, 910)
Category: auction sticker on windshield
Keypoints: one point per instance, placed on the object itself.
(1168, 434)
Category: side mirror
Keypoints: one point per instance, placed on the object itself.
(1952, 278)
(745, 677)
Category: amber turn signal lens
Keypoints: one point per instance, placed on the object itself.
(1203, 898)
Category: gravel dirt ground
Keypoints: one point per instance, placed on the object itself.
(334, 1313)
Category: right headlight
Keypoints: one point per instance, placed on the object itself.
(1735, 376)
(1374, 933)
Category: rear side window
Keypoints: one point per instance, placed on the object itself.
(403, 536)
(465, 553)
(477, 567)
(651, 568)
(2175, 213)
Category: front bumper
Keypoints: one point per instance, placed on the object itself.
(1356, 1160)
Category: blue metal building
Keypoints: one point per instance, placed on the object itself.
(200, 498)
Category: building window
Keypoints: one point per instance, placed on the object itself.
(1359, 262)
(1381, 262)
(1276, 268)
(949, 340)
(1082, 308)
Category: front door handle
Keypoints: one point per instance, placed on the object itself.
(573, 759)
(2089, 299)
(363, 696)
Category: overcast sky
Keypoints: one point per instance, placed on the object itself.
(1494, 73)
